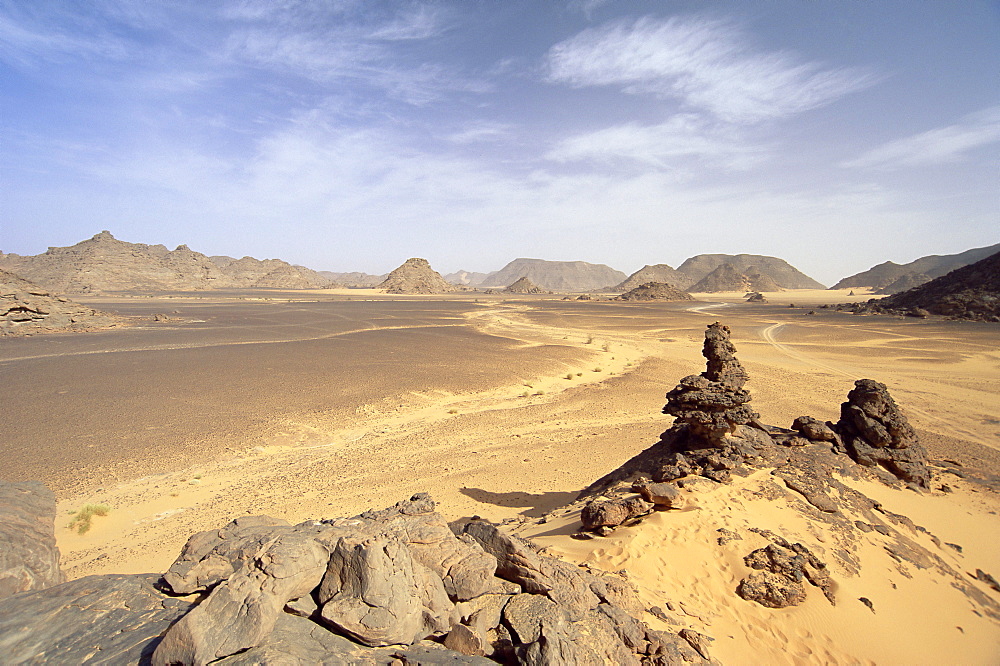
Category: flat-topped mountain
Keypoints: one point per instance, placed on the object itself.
(655, 273)
(780, 271)
(105, 264)
(882, 276)
(26, 308)
(726, 277)
(970, 292)
(415, 276)
(559, 276)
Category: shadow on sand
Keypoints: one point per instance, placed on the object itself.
(538, 505)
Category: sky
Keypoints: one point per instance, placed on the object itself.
(351, 135)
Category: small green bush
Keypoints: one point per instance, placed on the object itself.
(82, 520)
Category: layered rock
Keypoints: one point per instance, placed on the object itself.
(415, 276)
(656, 291)
(712, 405)
(875, 432)
(27, 308)
(29, 557)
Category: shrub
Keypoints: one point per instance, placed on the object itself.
(82, 520)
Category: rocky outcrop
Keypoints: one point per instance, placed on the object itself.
(933, 266)
(656, 291)
(557, 276)
(971, 292)
(782, 569)
(663, 273)
(26, 308)
(875, 432)
(780, 271)
(105, 264)
(415, 276)
(29, 557)
(712, 405)
(755, 297)
(523, 286)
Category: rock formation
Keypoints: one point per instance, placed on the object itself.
(780, 271)
(415, 276)
(875, 432)
(655, 273)
(523, 286)
(466, 278)
(105, 264)
(557, 276)
(374, 589)
(656, 291)
(26, 308)
(933, 266)
(29, 558)
(353, 279)
(755, 297)
(782, 568)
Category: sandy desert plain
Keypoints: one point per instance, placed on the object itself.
(321, 403)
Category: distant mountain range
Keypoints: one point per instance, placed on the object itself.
(105, 264)
(891, 278)
(558, 276)
(969, 292)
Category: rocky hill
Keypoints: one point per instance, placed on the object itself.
(970, 292)
(885, 274)
(655, 273)
(906, 281)
(784, 274)
(105, 264)
(26, 308)
(726, 277)
(524, 286)
(656, 291)
(558, 276)
(415, 276)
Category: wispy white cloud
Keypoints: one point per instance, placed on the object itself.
(479, 132)
(26, 40)
(706, 64)
(660, 146)
(937, 146)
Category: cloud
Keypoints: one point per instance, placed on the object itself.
(937, 146)
(683, 136)
(479, 132)
(27, 39)
(704, 63)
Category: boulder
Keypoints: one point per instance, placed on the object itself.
(613, 512)
(665, 495)
(875, 432)
(29, 557)
(814, 430)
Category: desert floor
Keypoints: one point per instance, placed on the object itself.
(321, 404)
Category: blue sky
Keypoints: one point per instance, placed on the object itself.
(352, 135)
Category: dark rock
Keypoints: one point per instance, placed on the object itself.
(875, 432)
(867, 602)
(613, 512)
(783, 567)
(814, 430)
(29, 557)
(661, 494)
(112, 619)
(772, 590)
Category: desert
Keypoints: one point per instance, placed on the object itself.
(304, 405)
(431, 332)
